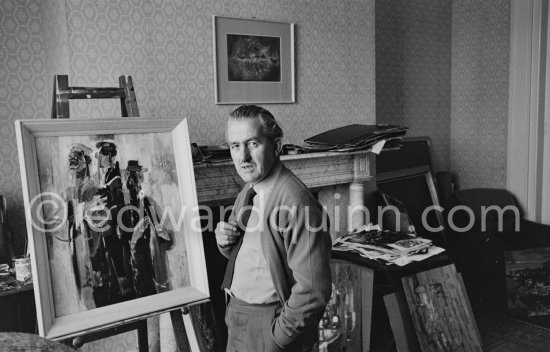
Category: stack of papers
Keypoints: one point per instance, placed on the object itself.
(387, 247)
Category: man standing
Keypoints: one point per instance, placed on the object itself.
(278, 277)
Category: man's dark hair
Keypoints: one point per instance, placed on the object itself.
(273, 130)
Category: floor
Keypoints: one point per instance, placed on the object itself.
(499, 334)
(503, 334)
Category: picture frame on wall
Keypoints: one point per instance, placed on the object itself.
(112, 218)
(253, 61)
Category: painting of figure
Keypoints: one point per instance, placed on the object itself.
(111, 240)
(110, 214)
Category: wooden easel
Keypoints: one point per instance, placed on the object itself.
(62, 93)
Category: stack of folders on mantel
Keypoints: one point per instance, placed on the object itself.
(352, 137)
(386, 247)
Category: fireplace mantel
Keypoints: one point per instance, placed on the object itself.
(219, 183)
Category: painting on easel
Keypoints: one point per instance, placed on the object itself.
(111, 212)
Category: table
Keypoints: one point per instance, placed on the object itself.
(18, 309)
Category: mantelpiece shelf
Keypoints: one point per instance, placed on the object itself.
(219, 182)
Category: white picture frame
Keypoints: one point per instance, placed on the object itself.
(186, 268)
(253, 61)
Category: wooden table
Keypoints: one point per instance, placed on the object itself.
(18, 309)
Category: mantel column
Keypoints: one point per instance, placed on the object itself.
(357, 191)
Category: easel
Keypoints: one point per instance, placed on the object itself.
(62, 93)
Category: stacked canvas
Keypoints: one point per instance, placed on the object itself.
(353, 137)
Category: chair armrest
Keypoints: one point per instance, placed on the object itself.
(530, 235)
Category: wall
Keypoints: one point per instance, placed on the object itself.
(413, 70)
(166, 46)
(442, 69)
(481, 55)
(24, 94)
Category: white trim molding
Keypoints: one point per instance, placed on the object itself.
(529, 88)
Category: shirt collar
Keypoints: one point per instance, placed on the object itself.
(268, 182)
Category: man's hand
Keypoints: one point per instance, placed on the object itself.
(226, 233)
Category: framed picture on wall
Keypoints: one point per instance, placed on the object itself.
(111, 213)
(253, 61)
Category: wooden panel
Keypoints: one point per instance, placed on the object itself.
(346, 323)
(439, 311)
(367, 285)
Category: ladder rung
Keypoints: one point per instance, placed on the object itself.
(63, 93)
(91, 93)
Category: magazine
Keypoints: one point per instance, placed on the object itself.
(411, 245)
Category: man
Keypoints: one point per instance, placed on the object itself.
(278, 276)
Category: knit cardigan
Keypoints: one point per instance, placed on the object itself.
(297, 250)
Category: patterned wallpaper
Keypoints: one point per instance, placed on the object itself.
(481, 55)
(24, 94)
(166, 46)
(413, 70)
(442, 69)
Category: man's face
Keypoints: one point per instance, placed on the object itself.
(252, 152)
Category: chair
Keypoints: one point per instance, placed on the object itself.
(478, 236)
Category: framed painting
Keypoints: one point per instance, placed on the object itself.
(440, 311)
(346, 322)
(253, 61)
(527, 282)
(111, 212)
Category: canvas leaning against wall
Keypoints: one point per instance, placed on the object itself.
(112, 215)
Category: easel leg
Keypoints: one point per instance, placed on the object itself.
(143, 339)
(179, 331)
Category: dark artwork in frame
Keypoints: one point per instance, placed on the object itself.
(253, 58)
(528, 284)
